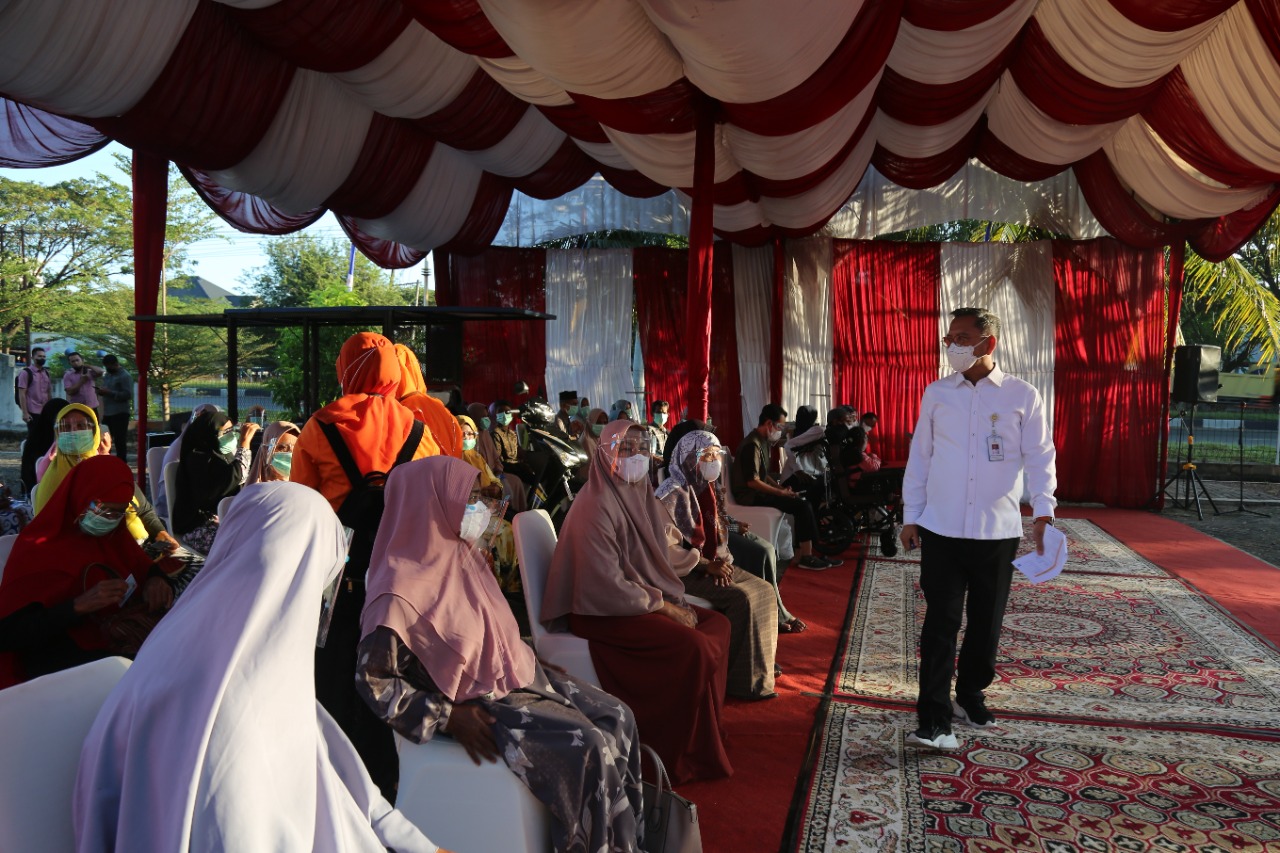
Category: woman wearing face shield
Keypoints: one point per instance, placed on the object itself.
(213, 464)
(213, 740)
(44, 604)
(442, 653)
(612, 582)
(274, 458)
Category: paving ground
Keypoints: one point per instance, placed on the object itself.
(1254, 534)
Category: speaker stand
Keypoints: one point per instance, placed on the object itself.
(1240, 507)
(1192, 486)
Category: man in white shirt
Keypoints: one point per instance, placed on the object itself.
(979, 429)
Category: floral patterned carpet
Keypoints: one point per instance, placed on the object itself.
(1134, 714)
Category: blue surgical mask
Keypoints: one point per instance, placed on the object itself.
(227, 443)
(485, 423)
(282, 463)
(504, 418)
(596, 429)
(660, 418)
(468, 444)
(95, 525)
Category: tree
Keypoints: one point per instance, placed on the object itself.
(54, 238)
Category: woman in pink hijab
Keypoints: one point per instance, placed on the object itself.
(441, 652)
(612, 580)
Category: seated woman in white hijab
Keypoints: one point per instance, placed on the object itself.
(704, 563)
(442, 653)
(213, 740)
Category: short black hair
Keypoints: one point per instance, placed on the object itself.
(987, 323)
(498, 404)
(70, 354)
(657, 403)
(771, 412)
(872, 415)
(35, 350)
(111, 359)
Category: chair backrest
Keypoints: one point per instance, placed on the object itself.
(170, 484)
(6, 547)
(535, 543)
(725, 481)
(155, 462)
(43, 724)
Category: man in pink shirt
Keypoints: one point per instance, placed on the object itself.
(79, 380)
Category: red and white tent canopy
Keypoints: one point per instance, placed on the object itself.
(415, 120)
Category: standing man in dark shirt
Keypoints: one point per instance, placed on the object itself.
(568, 408)
(753, 485)
(115, 390)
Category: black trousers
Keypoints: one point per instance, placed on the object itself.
(336, 691)
(806, 523)
(30, 453)
(118, 426)
(950, 568)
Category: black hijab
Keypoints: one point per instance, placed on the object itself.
(205, 475)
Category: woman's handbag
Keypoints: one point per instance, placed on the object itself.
(670, 821)
(124, 628)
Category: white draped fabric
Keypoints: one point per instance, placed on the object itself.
(807, 326)
(752, 310)
(805, 104)
(594, 206)
(589, 342)
(1015, 282)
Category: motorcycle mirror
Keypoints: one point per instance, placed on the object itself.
(521, 387)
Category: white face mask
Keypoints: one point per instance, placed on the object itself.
(475, 521)
(775, 435)
(961, 358)
(710, 471)
(633, 469)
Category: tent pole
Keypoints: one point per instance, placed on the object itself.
(1177, 268)
(150, 206)
(698, 306)
(775, 319)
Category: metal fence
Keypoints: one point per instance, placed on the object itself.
(1226, 431)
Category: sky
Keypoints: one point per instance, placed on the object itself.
(226, 260)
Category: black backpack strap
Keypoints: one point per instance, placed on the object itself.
(411, 443)
(343, 454)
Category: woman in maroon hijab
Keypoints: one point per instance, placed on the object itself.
(441, 652)
(611, 579)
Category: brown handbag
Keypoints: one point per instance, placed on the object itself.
(124, 628)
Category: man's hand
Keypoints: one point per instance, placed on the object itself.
(157, 593)
(166, 541)
(472, 726)
(1037, 534)
(910, 537)
(26, 416)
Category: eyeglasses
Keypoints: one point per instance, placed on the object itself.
(110, 514)
(962, 340)
(634, 447)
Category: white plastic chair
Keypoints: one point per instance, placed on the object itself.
(535, 537)
(43, 724)
(224, 506)
(155, 464)
(464, 807)
(170, 485)
(770, 524)
(6, 548)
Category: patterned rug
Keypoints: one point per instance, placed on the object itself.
(1042, 786)
(1085, 645)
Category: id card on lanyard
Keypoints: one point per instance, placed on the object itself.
(995, 444)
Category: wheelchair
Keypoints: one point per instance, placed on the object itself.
(870, 506)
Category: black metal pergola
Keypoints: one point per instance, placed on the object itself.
(390, 317)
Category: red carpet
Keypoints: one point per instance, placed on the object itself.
(1246, 587)
(768, 740)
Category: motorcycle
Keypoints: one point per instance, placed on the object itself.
(551, 461)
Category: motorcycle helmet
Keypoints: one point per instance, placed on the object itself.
(536, 413)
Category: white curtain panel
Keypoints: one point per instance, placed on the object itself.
(752, 310)
(1015, 281)
(594, 206)
(807, 326)
(589, 342)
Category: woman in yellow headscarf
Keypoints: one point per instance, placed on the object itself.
(413, 395)
(77, 438)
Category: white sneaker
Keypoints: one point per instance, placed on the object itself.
(934, 738)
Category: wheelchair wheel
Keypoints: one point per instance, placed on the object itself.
(836, 532)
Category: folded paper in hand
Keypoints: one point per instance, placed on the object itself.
(1043, 567)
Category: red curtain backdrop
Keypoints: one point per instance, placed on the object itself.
(725, 404)
(660, 277)
(885, 300)
(497, 353)
(1109, 376)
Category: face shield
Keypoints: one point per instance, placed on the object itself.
(330, 595)
(710, 463)
(632, 453)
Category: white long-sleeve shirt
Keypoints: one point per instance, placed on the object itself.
(951, 487)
